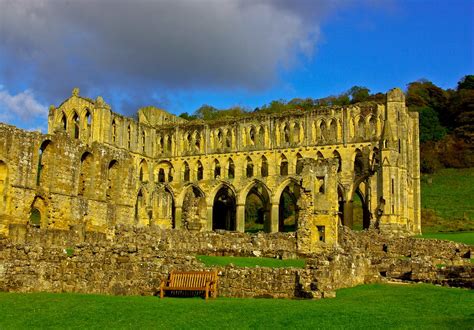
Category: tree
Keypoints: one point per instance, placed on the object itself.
(358, 94)
(430, 127)
(467, 82)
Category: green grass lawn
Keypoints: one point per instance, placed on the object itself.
(251, 262)
(417, 306)
(447, 200)
(466, 237)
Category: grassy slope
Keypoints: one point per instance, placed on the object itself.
(251, 262)
(447, 200)
(373, 306)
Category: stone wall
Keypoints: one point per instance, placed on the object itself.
(136, 260)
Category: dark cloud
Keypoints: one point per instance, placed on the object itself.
(113, 46)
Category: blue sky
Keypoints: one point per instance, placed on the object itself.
(181, 54)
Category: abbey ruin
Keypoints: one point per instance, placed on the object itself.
(98, 169)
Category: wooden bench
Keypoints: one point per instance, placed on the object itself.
(191, 281)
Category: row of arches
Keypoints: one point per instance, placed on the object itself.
(77, 123)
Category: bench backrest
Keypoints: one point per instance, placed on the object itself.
(192, 279)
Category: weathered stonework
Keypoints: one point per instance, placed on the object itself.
(96, 169)
(137, 259)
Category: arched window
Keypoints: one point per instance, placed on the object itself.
(283, 165)
(197, 142)
(249, 168)
(112, 179)
(169, 146)
(373, 127)
(360, 128)
(75, 122)
(261, 136)
(359, 163)
(323, 132)
(228, 139)
(114, 131)
(185, 171)
(299, 163)
(42, 159)
(217, 169)
(252, 136)
(88, 120)
(286, 133)
(161, 175)
(296, 133)
(333, 131)
(143, 174)
(64, 121)
(264, 168)
(337, 156)
(143, 141)
(230, 169)
(85, 175)
(200, 171)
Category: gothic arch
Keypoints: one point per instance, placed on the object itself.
(86, 174)
(257, 207)
(249, 168)
(264, 167)
(283, 165)
(288, 192)
(299, 163)
(38, 216)
(143, 173)
(186, 172)
(223, 201)
(44, 162)
(216, 169)
(230, 169)
(199, 171)
(113, 180)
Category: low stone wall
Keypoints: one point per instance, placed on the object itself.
(134, 261)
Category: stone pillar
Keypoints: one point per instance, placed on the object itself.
(274, 218)
(348, 214)
(178, 221)
(240, 218)
(208, 225)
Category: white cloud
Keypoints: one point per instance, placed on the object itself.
(22, 106)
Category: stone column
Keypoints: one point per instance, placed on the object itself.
(208, 226)
(274, 218)
(178, 221)
(348, 214)
(240, 218)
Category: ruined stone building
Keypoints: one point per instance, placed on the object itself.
(96, 169)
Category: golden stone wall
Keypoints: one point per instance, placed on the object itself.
(96, 168)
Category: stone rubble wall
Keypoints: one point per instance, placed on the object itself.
(133, 261)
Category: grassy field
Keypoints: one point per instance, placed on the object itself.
(415, 306)
(466, 237)
(447, 200)
(251, 262)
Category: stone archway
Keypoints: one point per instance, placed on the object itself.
(257, 209)
(224, 209)
(288, 209)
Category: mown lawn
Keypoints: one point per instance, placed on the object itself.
(466, 237)
(251, 262)
(378, 306)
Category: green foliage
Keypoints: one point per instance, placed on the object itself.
(447, 200)
(358, 94)
(69, 252)
(467, 82)
(251, 262)
(374, 306)
(430, 127)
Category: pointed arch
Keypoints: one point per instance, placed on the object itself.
(224, 207)
(199, 171)
(85, 174)
(296, 133)
(217, 169)
(337, 156)
(333, 130)
(75, 125)
(44, 159)
(38, 216)
(288, 211)
(286, 133)
(142, 216)
(112, 180)
(264, 167)
(230, 169)
(248, 167)
(299, 163)
(283, 165)
(143, 174)
(261, 136)
(257, 202)
(186, 171)
(252, 136)
(319, 156)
